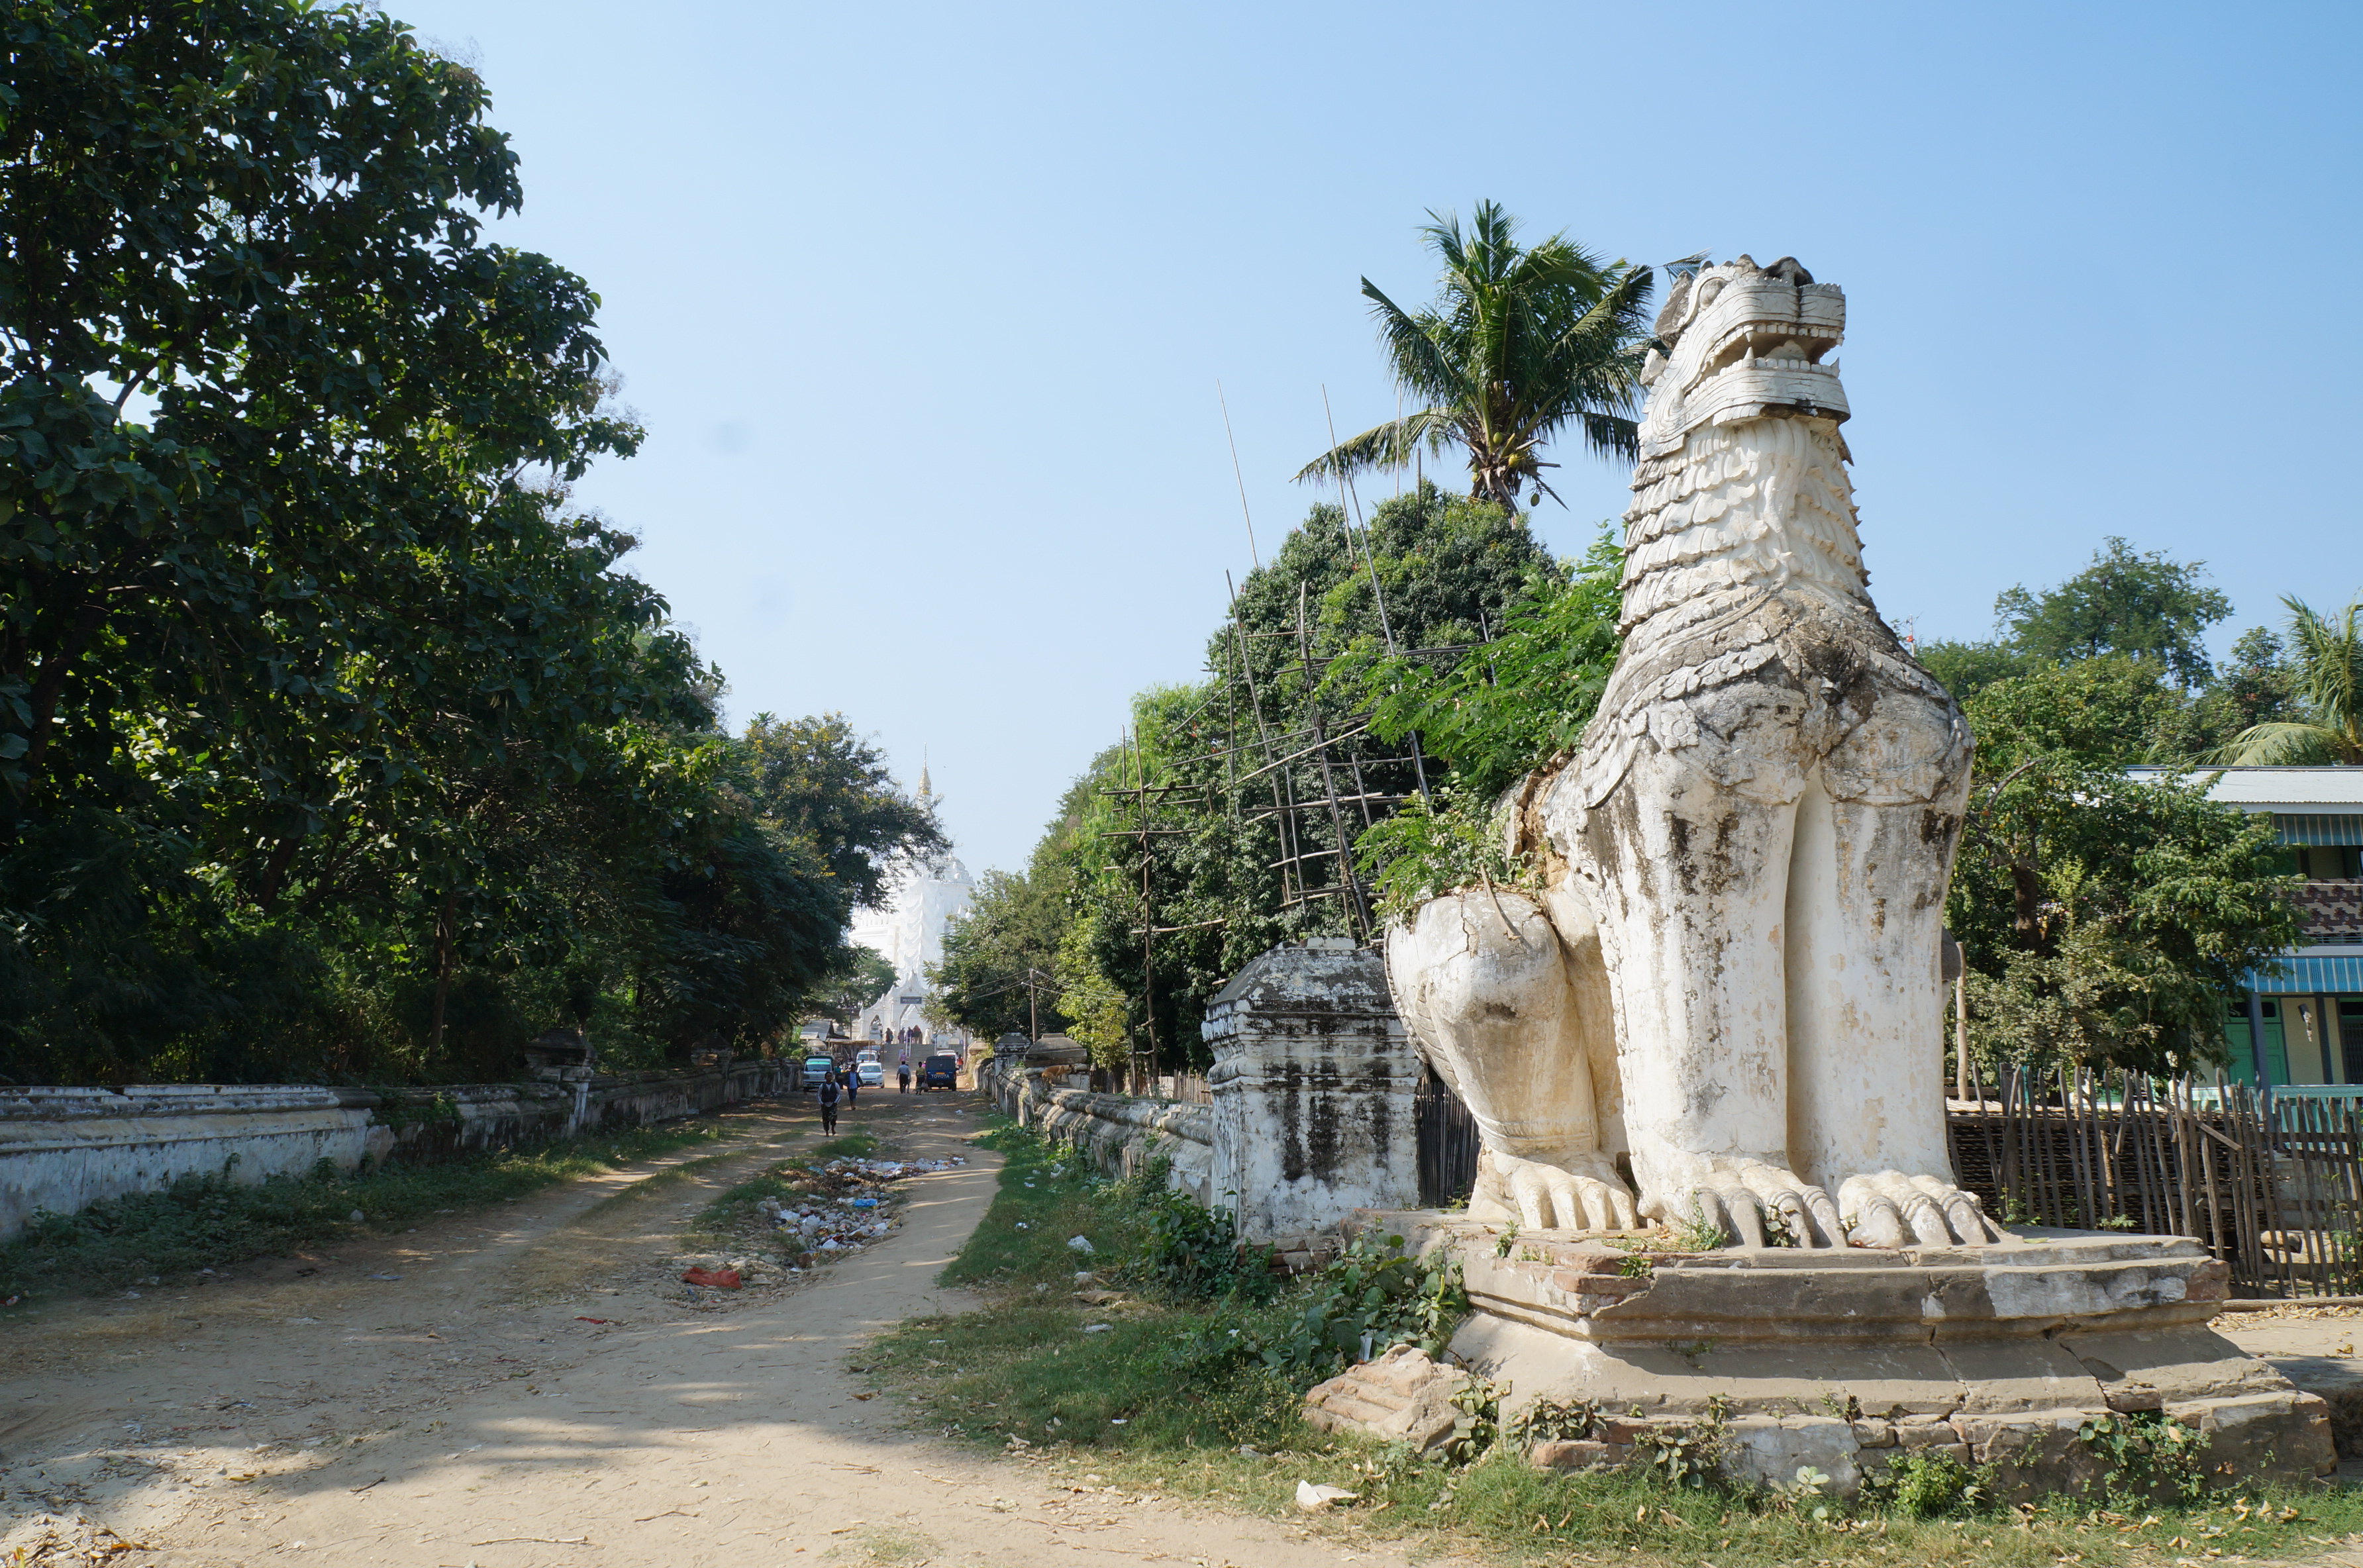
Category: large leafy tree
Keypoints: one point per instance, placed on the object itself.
(2133, 603)
(2325, 675)
(2107, 921)
(1520, 343)
(332, 740)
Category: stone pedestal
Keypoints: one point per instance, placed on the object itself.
(1996, 1354)
(1311, 1084)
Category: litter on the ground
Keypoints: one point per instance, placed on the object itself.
(1081, 1245)
(716, 1278)
(1313, 1499)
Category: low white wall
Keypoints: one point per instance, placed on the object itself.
(1120, 1133)
(65, 1149)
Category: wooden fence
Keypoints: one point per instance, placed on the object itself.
(1447, 1135)
(2269, 1182)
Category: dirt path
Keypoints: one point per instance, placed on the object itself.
(469, 1413)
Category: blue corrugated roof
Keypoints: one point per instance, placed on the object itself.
(2322, 829)
(2311, 972)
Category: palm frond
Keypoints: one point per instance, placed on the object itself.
(2281, 744)
(1419, 361)
(1389, 446)
(2329, 653)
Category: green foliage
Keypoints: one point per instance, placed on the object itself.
(1420, 852)
(1685, 1456)
(1552, 1421)
(2136, 605)
(1520, 343)
(2107, 920)
(2320, 721)
(1520, 700)
(215, 1222)
(1967, 668)
(1448, 568)
(1927, 1484)
(999, 972)
(1189, 1251)
(333, 743)
(2149, 1454)
(858, 977)
(1370, 1297)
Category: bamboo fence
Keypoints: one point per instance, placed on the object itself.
(2269, 1181)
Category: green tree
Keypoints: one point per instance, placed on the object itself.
(333, 741)
(2126, 601)
(2105, 921)
(1967, 668)
(2255, 685)
(1520, 343)
(2326, 676)
(858, 977)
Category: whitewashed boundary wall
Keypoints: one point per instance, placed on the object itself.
(65, 1149)
(1312, 1088)
(1119, 1133)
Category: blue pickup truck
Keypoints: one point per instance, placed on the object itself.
(939, 1072)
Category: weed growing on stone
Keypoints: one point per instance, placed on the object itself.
(213, 1222)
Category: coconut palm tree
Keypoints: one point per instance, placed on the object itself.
(2328, 653)
(1520, 342)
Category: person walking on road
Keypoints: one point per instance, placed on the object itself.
(852, 1088)
(828, 1103)
(902, 1078)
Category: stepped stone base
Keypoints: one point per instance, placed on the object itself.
(1996, 1354)
(1402, 1397)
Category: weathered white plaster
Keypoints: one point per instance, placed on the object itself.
(65, 1149)
(1749, 854)
(1313, 1084)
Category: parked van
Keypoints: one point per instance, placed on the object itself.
(939, 1072)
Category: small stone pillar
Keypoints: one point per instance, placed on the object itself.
(1313, 1084)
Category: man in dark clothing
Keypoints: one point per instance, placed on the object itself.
(828, 1103)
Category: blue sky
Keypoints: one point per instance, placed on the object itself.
(925, 305)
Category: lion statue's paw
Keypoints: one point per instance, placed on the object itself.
(1893, 1209)
(1579, 1192)
(1756, 1204)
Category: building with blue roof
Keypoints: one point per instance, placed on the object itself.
(2304, 1025)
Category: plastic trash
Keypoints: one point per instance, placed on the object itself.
(1081, 1245)
(1313, 1499)
(719, 1278)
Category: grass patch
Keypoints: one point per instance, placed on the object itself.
(1044, 1198)
(211, 1221)
(1141, 1407)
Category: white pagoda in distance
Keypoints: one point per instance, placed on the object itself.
(909, 934)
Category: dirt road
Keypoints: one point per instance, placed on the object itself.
(445, 1397)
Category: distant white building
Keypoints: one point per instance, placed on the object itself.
(909, 934)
